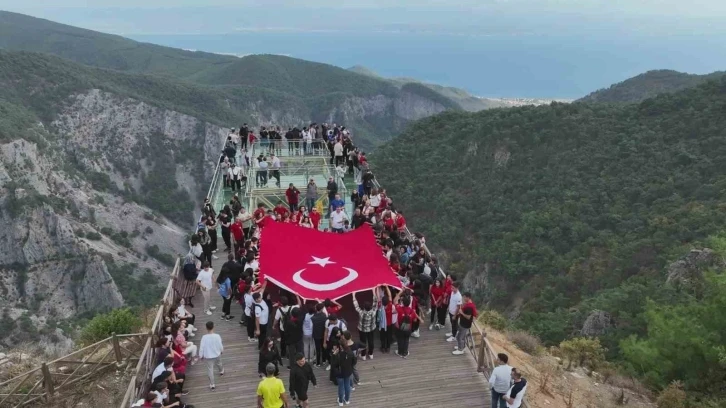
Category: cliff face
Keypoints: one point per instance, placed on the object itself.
(66, 232)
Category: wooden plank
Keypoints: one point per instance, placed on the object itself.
(430, 377)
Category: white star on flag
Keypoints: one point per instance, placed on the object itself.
(321, 261)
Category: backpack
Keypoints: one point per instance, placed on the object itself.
(287, 319)
(406, 326)
(190, 272)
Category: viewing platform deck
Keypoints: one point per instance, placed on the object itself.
(430, 377)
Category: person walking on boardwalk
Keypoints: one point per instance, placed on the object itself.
(301, 375)
(500, 380)
(367, 323)
(271, 390)
(210, 350)
(467, 314)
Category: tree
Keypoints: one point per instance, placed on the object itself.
(583, 351)
(672, 397)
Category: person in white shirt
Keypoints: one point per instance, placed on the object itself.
(275, 168)
(235, 174)
(210, 350)
(262, 171)
(205, 280)
(500, 381)
(308, 138)
(515, 394)
(337, 220)
(455, 301)
(262, 316)
(249, 317)
(338, 151)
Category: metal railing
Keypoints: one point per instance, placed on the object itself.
(283, 148)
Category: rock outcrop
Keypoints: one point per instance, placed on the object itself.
(596, 324)
(687, 272)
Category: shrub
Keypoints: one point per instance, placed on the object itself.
(493, 319)
(672, 396)
(583, 351)
(94, 236)
(525, 341)
(149, 230)
(119, 321)
(162, 257)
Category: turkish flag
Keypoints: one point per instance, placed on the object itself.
(316, 264)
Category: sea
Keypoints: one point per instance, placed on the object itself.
(498, 65)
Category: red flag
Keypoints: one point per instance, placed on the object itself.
(316, 264)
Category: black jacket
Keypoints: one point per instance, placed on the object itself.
(300, 377)
(343, 363)
(269, 356)
(319, 320)
(332, 188)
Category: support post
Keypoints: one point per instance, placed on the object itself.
(48, 382)
(116, 348)
(481, 356)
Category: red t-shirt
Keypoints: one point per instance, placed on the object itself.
(236, 230)
(265, 221)
(389, 313)
(470, 304)
(281, 211)
(400, 221)
(332, 309)
(388, 224)
(405, 311)
(260, 212)
(315, 219)
(437, 292)
(292, 196)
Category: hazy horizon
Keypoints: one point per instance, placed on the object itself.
(491, 48)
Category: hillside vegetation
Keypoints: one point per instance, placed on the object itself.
(551, 213)
(648, 85)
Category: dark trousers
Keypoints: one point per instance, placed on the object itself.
(292, 350)
(338, 160)
(454, 324)
(387, 337)
(283, 345)
(236, 184)
(225, 237)
(319, 351)
(438, 315)
(262, 337)
(368, 339)
(497, 400)
(276, 176)
(213, 239)
(207, 256)
(250, 322)
(403, 338)
(226, 305)
(293, 206)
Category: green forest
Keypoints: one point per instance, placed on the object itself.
(571, 208)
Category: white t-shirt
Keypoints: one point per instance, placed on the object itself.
(262, 312)
(205, 278)
(211, 346)
(501, 378)
(159, 370)
(337, 219)
(454, 302)
(518, 399)
(280, 311)
(254, 265)
(339, 325)
(275, 162)
(308, 325)
(248, 304)
(160, 397)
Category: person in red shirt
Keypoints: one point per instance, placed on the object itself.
(293, 197)
(332, 307)
(388, 222)
(251, 138)
(400, 221)
(237, 233)
(264, 221)
(467, 314)
(315, 218)
(406, 317)
(438, 307)
(280, 210)
(260, 211)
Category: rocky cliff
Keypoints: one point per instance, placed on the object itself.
(79, 213)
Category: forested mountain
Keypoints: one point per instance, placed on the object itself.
(556, 213)
(648, 85)
(377, 108)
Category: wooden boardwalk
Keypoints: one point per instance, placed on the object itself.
(430, 377)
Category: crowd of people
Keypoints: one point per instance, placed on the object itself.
(292, 333)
